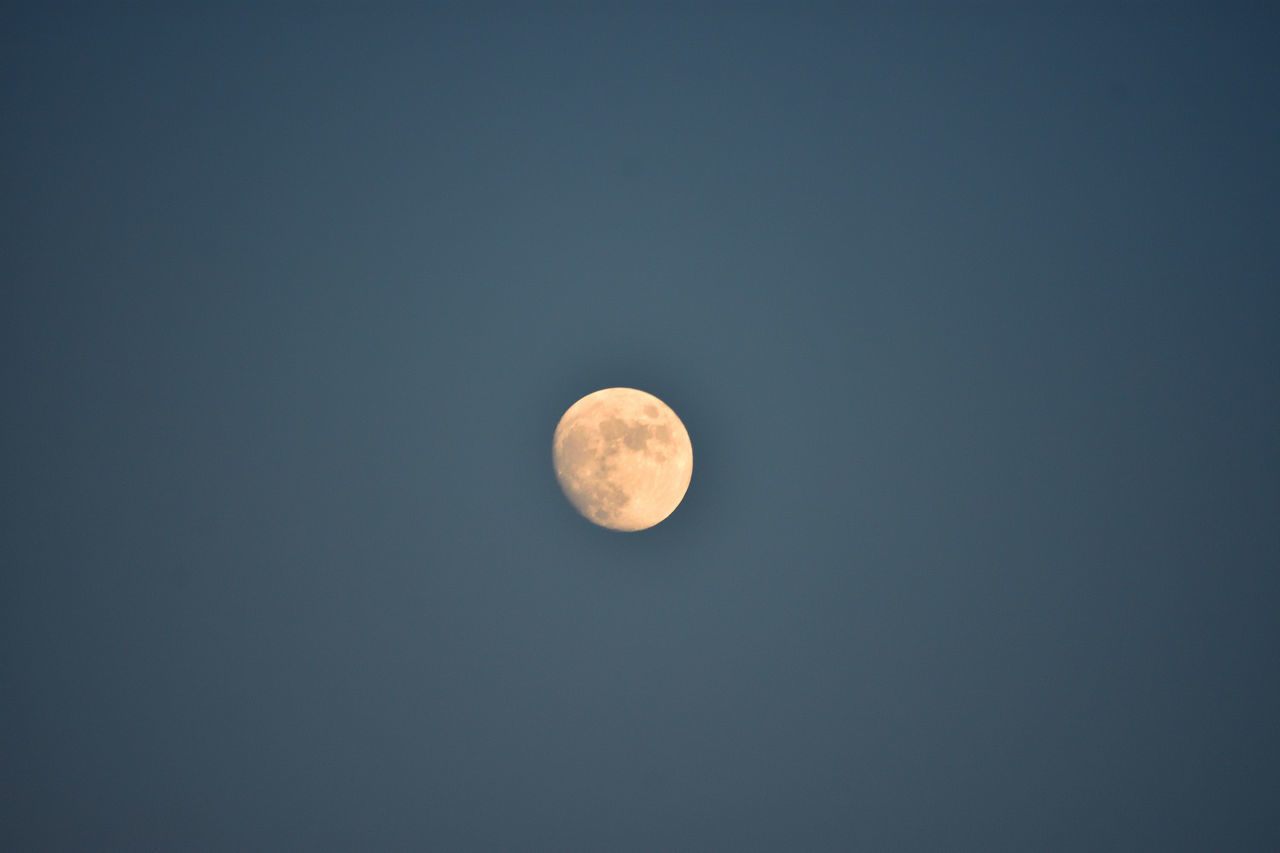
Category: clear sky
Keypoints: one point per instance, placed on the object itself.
(970, 309)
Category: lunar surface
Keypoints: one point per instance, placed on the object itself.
(623, 458)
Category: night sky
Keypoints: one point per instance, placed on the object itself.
(972, 313)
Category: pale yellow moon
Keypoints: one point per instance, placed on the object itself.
(623, 458)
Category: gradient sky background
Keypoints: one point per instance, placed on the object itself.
(971, 312)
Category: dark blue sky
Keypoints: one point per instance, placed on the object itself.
(971, 312)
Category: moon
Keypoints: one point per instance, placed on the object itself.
(623, 458)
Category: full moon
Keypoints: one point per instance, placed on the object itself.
(623, 458)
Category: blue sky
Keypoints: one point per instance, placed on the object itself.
(970, 312)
